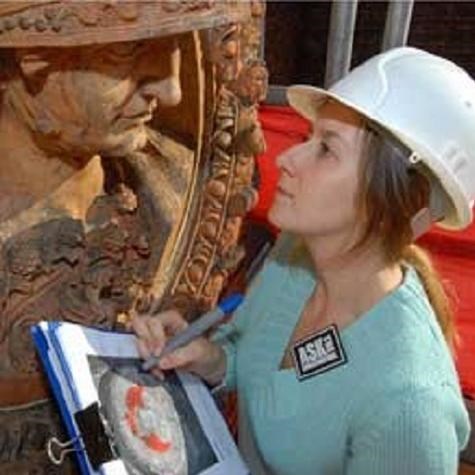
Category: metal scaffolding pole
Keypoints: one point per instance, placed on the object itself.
(277, 96)
(398, 21)
(340, 40)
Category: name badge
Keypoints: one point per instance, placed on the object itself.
(318, 353)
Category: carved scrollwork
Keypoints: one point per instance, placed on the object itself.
(146, 228)
(85, 277)
(22, 441)
(55, 22)
(229, 193)
(107, 264)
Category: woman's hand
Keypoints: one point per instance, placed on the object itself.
(202, 357)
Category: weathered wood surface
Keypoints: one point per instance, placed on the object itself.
(126, 170)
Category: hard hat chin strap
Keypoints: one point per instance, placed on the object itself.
(421, 222)
(435, 211)
(425, 217)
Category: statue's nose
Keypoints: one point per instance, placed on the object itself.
(167, 91)
(166, 88)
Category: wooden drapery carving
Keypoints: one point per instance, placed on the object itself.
(128, 135)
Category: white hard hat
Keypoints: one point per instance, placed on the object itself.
(428, 103)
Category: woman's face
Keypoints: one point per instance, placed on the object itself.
(317, 190)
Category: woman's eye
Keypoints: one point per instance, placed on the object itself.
(323, 149)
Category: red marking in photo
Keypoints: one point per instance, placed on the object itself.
(133, 403)
(155, 443)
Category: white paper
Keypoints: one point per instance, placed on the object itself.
(73, 347)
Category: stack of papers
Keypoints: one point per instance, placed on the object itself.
(122, 420)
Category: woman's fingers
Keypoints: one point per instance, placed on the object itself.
(144, 342)
(183, 356)
(158, 373)
(201, 357)
(139, 326)
(163, 326)
(153, 331)
(156, 333)
(143, 349)
(172, 321)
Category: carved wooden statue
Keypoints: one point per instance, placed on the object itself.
(128, 132)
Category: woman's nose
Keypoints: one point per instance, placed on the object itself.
(282, 160)
(292, 160)
(286, 161)
(167, 90)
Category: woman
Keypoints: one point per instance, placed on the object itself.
(341, 352)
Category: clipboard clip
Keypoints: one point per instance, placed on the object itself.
(95, 437)
(58, 450)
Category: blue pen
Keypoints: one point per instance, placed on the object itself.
(197, 328)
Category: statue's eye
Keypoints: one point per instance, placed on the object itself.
(123, 50)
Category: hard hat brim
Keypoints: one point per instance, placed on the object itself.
(306, 100)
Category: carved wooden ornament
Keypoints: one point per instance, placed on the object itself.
(76, 22)
(128, 132)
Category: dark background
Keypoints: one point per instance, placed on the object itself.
(296, 35)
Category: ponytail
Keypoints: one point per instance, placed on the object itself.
(392, 193)
(434, 288)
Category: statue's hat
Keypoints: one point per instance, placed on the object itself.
(53, 23)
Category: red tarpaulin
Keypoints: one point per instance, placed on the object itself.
(453, 253)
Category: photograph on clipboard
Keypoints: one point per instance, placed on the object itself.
(123, 420)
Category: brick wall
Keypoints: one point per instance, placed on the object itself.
(296, 35)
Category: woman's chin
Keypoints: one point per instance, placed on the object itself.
(276, 218)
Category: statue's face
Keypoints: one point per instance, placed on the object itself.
(97, 99)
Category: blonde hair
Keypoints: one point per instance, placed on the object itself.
(438, 297)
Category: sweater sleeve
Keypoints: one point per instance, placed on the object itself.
(228, 335)
(420, 434)
(225, 336)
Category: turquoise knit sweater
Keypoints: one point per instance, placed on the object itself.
(394, 409)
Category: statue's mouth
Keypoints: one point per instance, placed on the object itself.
(139, 110)
(144, 117)
(136, 121)
(141, 115)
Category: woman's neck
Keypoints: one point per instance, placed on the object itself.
(351, 283)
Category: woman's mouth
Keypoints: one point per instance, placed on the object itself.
(282, 192)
